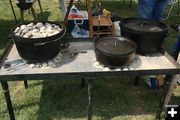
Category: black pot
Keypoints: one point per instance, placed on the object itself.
(38, 49)
(109, 54)
(23, 5)
(148, 34)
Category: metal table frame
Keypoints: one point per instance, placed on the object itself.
(169, 81)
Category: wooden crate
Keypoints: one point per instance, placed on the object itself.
(105, 25)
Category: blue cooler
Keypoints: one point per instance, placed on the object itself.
(79, 24)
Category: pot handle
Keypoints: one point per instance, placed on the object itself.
(96, 51)
(97, 37)
(43, 43)
(39, 44)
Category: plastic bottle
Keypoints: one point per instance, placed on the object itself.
(74, 9)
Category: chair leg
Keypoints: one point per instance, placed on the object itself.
(33, 13)
(25, 84)
(136, 80)
(169, 12)
(40, 6)
(82, 83)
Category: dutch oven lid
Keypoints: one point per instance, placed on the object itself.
(115, 45)
(144, 25)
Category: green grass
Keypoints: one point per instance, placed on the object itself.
(62, 99)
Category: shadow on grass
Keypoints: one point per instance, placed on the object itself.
(5, 28)
(111, 97)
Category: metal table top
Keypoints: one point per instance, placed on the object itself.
(84, 64)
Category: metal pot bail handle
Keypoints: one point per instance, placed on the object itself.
(63, 32)
(97, 52)
(96, 37)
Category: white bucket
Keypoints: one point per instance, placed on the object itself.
(117, 30)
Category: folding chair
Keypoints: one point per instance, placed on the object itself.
(171, 3)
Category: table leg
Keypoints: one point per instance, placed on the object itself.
(136, 80)
(169, 84)
(82, 83)
(8, 99)
(90, 86)
(171, 88)
(25, 84)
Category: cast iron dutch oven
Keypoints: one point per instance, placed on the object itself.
(39, 49)
(114, 50)
(147, 34)
(22, 4)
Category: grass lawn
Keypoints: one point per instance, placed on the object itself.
(62, 99)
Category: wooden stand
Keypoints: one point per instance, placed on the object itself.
(102, 26)
(105, 25)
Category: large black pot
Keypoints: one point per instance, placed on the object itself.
(114, 51)
(148, 34)
(38, 49)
